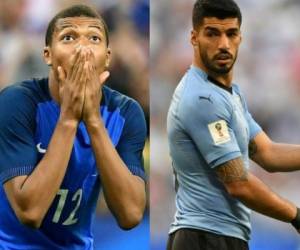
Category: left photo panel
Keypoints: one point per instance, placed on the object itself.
(74, 124)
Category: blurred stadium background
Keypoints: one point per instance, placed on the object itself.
(22, 28)
(268, 71)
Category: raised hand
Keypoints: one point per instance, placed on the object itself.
(72, 86)
(93, 90)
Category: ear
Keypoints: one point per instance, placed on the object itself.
(47, 55)
(194, 38)
(108, 57)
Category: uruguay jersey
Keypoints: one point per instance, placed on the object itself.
(28, 116)
(208, 126)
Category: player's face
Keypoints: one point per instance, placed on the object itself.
(73, 32)
(217, 42)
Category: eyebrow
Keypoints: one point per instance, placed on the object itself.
(209, 28)
(65, 26)
(96, 26)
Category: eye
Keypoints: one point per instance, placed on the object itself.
(68, 38)
(212, 34)
(233, 34)
(95, 39)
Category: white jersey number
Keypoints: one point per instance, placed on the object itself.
(63, 193)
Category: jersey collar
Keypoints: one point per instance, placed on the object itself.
(204, 76)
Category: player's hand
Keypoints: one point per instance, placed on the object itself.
(72, 86)
(93, 91)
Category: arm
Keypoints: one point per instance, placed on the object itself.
(31, 196)
(274, 157)
(123, 191)
(254, 193)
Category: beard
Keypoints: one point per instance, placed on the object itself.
(212, 63)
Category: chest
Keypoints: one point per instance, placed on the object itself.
(239, 123)
(82, 163)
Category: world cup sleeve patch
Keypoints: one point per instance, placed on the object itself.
(219, 132)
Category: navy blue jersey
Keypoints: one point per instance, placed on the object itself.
(28, 117)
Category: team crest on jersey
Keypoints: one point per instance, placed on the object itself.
(219, 132)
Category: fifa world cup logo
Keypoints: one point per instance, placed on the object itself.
(218, 127)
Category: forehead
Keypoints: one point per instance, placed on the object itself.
(77, 22)
(221, 24)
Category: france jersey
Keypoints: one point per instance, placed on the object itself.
(28, 116)
(208, 126)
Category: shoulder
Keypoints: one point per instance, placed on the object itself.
(239, 92)
(205, 99)
(19, 101)
(115, 100)
(26, 90)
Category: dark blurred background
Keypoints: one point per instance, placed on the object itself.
(268, 72)
(23, 26)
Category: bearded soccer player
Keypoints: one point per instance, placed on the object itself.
(212, 135)
(64, 138)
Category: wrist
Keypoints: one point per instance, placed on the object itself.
(93, 125)
(69, 123)
(296, 221)
(92, 120)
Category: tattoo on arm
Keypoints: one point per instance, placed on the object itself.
(232, 171)
(252, 148)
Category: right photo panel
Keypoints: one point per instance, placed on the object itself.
(224, 127)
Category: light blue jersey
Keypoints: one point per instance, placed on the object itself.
(208, 126)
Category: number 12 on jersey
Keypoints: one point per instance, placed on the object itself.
(63, 193)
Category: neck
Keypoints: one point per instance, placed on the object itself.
(53, 86)
(225, 79)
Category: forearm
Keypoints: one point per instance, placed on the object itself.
(248, 189)
(281, 158)
(39, 189)
(257, 196)
(124, 192)
(274, 157)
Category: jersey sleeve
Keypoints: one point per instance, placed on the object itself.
(207, 122)
(132, 141)
(18, 155)
(254, 127)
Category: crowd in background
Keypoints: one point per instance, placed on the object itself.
(268, 72)
(23, 26)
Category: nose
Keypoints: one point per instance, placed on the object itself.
(83, 41)
(224, 42)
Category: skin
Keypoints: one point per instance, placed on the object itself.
(78, 57)
(216, 43)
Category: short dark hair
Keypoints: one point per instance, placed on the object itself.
(74, 11)
(215, 8)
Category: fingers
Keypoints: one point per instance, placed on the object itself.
(78, 75)
(61, 74)
(84, 69)
(77, 67)
(103, 77)
(76, 59)
(92, 68)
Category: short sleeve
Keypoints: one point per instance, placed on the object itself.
(207, 122)
(18, 155)
(254, 128)
(132, 141)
